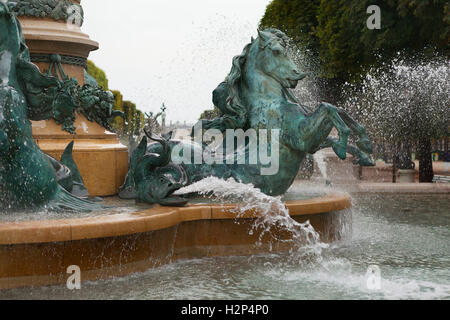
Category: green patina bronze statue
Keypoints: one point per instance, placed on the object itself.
(257, 111)
(28, 177)
(255, 96)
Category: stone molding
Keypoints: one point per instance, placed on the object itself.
(54, 9)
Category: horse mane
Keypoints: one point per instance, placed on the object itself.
(226, 97)
(280, 35)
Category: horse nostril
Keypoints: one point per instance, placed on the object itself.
(298, 75)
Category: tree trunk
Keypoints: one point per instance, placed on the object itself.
(404, 156)
(395, 160)
(394, 169)
(425, 161)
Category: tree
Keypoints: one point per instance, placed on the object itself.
(348, 48)
(405, 102)
(134, 118)
(337, 33)
(118, 122)
(98, 74)
(298, 19)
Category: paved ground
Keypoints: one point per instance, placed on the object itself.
(443, 188)
(382, 187)
(383, 172)
(342, 172)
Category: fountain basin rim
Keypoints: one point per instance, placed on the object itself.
(153, 219)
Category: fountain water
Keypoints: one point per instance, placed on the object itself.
(404, 104)
(130, 241)
(272, 214)
(321, 164)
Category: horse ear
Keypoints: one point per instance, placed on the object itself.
(260, 33)
(263, 36)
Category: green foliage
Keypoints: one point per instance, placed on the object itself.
(129, 108)
(404, 100)
(118, 122)
(134, 119)
(296, 18)
(98, 74)
(348, 47)
(337, 30)
(118, 100)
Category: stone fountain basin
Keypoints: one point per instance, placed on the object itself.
(36, 253)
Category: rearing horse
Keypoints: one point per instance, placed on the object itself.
(256, 96)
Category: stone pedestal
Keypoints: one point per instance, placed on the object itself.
(382, 172)
(101, 158)
(336, 170)
(406, 176)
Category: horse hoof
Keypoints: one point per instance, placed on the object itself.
(340, 150)
(365, 145)
(366, 161)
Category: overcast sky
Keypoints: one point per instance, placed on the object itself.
(172, 51)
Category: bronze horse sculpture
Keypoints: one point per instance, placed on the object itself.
(255, 96)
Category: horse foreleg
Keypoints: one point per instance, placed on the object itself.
(364, 142)
(361, 157)
(313, 133)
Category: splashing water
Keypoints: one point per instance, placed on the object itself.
(273, 215)
(403, 98)
(320, 160)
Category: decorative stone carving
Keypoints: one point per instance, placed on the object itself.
(54, 9)
(29, 178)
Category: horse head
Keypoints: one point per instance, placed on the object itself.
(264, 58)
(273, 59)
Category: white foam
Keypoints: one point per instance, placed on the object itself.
(273, 214)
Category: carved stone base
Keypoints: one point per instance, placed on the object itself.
(406, 176)
(337, 170)
(99, 155)
(101, 158)
(37, 253)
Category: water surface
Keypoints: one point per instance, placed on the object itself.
(406, 236)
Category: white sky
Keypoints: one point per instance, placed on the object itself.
(172, 51)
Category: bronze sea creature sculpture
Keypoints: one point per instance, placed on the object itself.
(255, 96)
